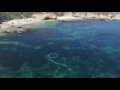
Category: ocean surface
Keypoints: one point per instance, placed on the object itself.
(82, 49)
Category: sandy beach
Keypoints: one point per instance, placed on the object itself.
(68, 18)
(18, 24)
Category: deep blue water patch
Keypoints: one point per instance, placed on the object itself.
(89, 48)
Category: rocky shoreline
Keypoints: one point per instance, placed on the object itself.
(19, 25)
(76, 16)
(88, 16)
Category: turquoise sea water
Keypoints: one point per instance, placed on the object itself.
(83, 49)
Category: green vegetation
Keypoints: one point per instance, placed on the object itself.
(12, 15)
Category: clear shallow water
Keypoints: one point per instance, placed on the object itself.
(85, 49)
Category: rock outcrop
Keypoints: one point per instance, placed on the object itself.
(45, 16)
(13, 29)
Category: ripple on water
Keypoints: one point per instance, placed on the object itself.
(38, 47)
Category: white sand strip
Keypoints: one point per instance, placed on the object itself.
(18, 22)
(68, 18)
